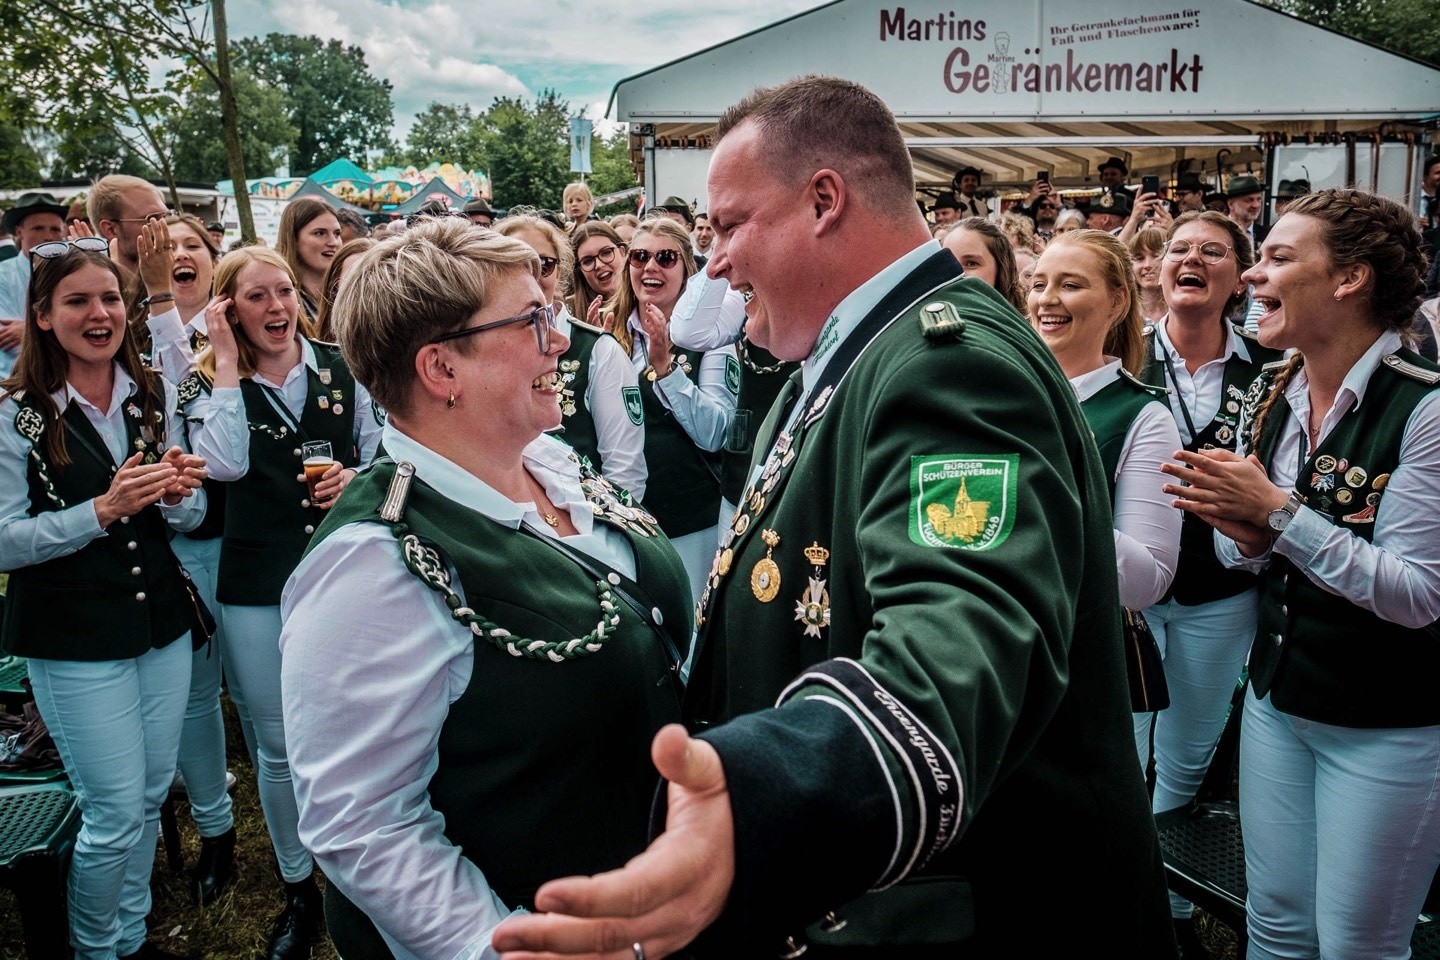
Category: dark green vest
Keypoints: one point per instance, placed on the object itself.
(118, 596)
(761, 378)
(268, 520)
(1110, 412)
(533, 743)
(1199, 576)
(577, 423)
(683, 485)
(1320, 656)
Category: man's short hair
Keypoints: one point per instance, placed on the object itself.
(1430, 163)
(814, 122)
(106, 200)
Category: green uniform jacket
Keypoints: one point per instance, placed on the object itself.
(945, 638)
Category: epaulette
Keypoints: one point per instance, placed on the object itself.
(587, 326)
(1414, 371)
(1159, 393)
(1240, 331)
(939, 320)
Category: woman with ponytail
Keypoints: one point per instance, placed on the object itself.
(1331, 503)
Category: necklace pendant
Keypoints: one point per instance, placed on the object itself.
(551, 519)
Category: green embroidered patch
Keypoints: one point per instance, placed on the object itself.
(732, 375)
(634, 407)
(960, 500)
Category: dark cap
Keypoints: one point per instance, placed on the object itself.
(1243, 186)
(1189, 182)
(477, 205)
(33, 202)
(214, 226)
(1110, 201)
(968, 172)
(677, 205)
(946, 201)
(1290, 189)
(1115, 162)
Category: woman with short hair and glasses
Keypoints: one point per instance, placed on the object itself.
(599, 389)
(272, 392)
(503, 643)
(1205, 624)
(688, 396)
(91, 489)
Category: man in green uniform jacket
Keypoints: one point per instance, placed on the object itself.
(912, 725)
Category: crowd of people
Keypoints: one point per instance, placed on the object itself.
(849, 522)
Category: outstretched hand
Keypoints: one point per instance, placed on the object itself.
(663, 898)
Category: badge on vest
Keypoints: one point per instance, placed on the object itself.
(634, 406)
(963, 501)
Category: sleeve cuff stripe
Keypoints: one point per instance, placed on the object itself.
(884, 769)
(899, 752)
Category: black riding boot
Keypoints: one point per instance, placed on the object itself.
(299, 925)
(215, 869)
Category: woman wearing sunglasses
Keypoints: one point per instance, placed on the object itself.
(272, 392)
(688, 396)
(91, 486)
(1331, 500)
(599, 389)
(1205, 625)
(469, 708)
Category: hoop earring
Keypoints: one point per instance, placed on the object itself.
(450, 404)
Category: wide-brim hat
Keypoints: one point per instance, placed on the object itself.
(1189, 182)
(677, 205)
(1115, 162)
(1110, 201)
(1243, 186)
(33, 202)
(477, 205)
(967, 172)
(946, 201)
(1290, 189)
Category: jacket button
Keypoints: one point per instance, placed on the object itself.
(657, 616)
(124, 519)
(309, 528)
(299, 478)
(134, 571)
(297, 451)
(1277, 638)
(132, 545)
(305, 503)
(614, 578)
(140, 596)
(1285, 609)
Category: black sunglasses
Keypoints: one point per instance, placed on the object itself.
(542, 317)
(665, 258)
(59, 248)
(548, 265)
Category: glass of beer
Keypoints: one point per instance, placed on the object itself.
(317, 458)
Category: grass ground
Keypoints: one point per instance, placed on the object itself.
(237, 925)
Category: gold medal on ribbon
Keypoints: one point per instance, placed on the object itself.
(765, 577)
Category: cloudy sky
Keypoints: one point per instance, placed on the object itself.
(471, 51)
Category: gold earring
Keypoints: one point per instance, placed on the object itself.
(450, 404)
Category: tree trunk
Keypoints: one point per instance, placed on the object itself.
(230, 122)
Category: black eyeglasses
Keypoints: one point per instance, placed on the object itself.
(1212, 251)
(605, 255)
(548, 265)
(665, 258)
(59, 248)
(542, 317)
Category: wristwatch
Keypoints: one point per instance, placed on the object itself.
(1279, 519)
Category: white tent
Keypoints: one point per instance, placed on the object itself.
(1019, 86)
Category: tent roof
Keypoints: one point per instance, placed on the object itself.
(1059, 85)
(341, 169)
(312, 189)
(436, 187)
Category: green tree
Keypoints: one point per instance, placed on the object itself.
(19, 162)
(446, 132)
(336, 106)
(265, 129)
(527, 149)
(613, 172)
(1411, 27)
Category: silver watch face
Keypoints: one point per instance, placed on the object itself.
(1279, 519)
